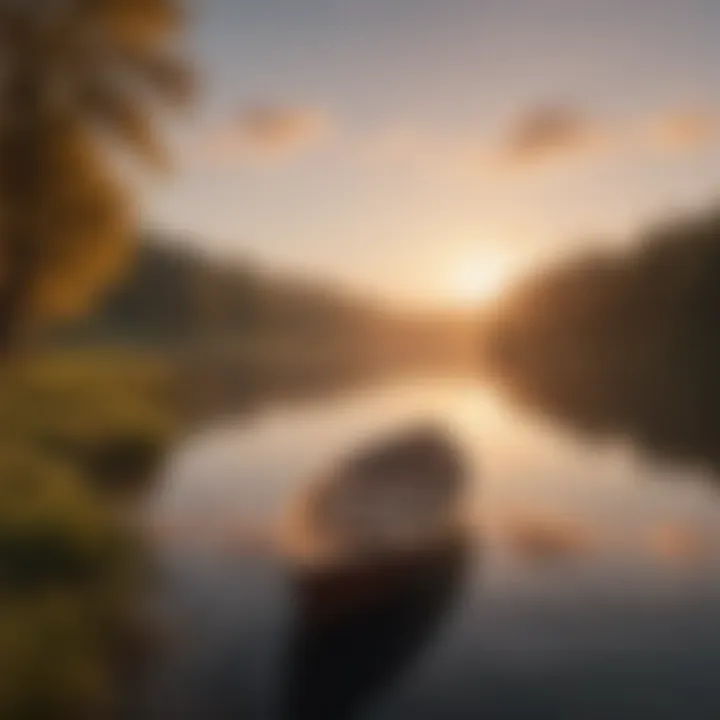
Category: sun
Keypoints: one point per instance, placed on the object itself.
(479, 281)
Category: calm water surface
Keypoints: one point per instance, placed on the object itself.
(591, 590)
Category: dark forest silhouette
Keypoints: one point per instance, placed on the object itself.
(624, 342)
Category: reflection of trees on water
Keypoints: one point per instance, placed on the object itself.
(336, 669)
(215, 387)
(624, 344)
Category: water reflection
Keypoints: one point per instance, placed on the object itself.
(672, 414)
(337, 668)
(623, 344)
(597, 577)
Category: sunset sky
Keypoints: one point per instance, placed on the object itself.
(428, 150)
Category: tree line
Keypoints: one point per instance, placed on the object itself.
(623, 341)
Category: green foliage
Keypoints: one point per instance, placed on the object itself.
(52, 663)
(107, 415)
(67, 573)
(73, 425)
(51, 530)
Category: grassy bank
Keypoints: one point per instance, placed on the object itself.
(77, 431)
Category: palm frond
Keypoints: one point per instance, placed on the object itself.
(123, 117)
(135, 22)
(168, 78)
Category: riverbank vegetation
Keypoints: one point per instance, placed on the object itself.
(80, 433)
(80, 94)
(623, 342)
(88, 413)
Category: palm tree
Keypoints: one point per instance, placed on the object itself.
(76, 77)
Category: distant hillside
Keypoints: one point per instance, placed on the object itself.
(176, 296)
(180, 300)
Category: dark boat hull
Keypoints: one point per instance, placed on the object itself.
(379, 524)
(348, 649)
(330, 593)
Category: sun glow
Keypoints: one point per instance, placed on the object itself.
(480, 281)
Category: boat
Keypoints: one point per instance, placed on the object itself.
(378, 522)
(340, 669)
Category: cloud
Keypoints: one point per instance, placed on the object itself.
(548, 132)
(553, 133)
(544, 137)
(270, 133)
(538, 137)
(684, 130)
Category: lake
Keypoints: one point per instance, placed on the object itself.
(590, 587)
